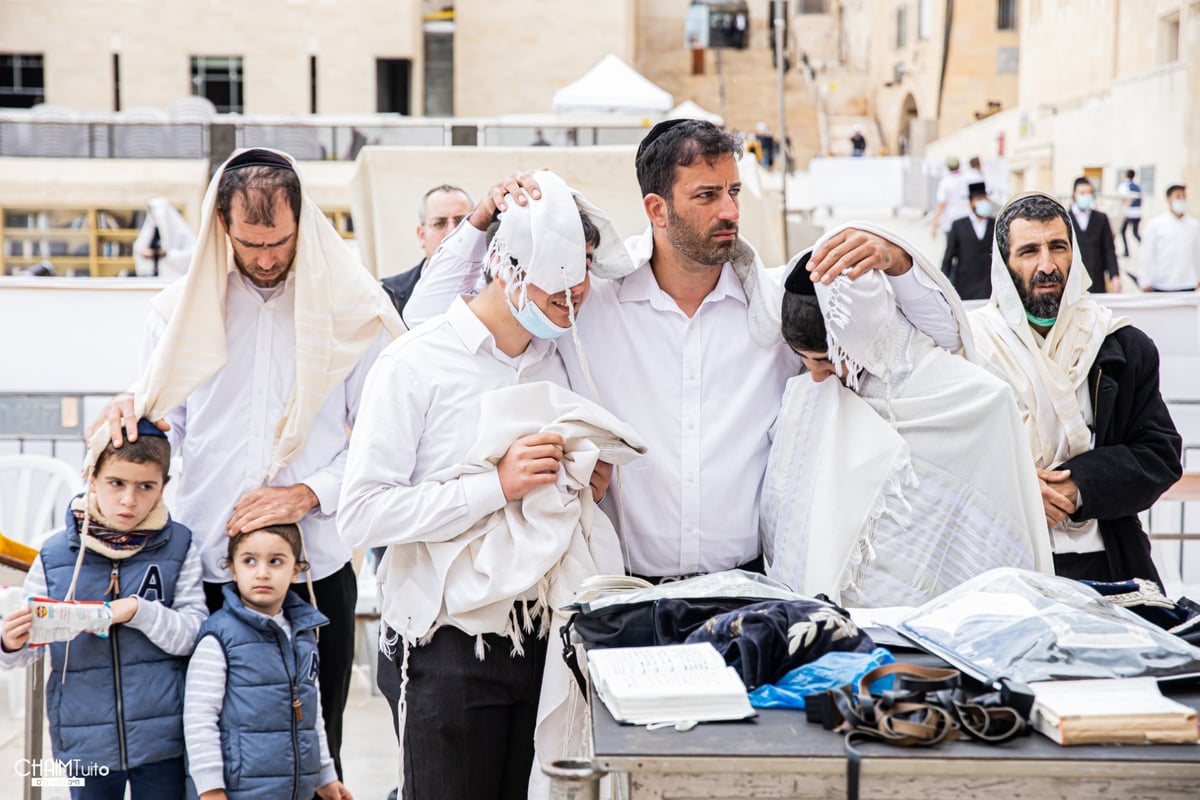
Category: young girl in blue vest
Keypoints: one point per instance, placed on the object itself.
(115, 704)
(252, 708)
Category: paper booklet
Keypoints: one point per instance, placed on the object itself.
(603, 585)
(1111, 711)
(668, 684)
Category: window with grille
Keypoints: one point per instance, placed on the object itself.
(220, 79)
(22, 80)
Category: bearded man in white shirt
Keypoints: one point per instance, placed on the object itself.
(255, 368)
(687, 349)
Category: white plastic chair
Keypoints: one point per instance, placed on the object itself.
(34, 492)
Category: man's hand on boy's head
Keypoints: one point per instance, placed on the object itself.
(270, 505)
(855, 251)
(518, 185)
(17, 625)
(122, 422)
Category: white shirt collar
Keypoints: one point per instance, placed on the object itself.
(642, 285)
(475, 335)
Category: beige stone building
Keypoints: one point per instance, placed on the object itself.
(470, 58)
(909, 71)
(1121, 91)
(265, 57)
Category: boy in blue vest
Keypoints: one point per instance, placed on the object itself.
(253, 707)
(115, 705)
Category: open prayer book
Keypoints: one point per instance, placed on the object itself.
(1111, 711)
(668, 684)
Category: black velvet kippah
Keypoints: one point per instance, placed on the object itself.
(148, 428)
(798, 280)
(657, 131)
(258, 158)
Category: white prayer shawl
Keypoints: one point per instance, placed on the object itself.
(1046, 374)
(340, 309)
(175, 239)
(907, 485)
(545, 544)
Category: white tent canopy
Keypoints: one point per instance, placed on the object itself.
(612, 86)
(690, 110)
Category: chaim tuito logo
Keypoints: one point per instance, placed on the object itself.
(50, 772)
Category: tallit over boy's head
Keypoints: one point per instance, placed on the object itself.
(540, 243)
(552, 244)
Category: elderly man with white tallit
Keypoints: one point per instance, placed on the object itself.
(1086, 384)
(906, 475)
(254, 363)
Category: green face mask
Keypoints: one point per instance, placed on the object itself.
(1041, 322)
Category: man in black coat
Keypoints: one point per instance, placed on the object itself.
(968, 259)
(442, 208)
(1086, 382)
(1095, 238)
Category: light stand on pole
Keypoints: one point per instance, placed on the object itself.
(780, 21)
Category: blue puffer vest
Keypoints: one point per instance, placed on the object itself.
(122, 702)
(270, 750)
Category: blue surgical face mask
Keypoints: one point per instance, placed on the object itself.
(1179, 206)
(1083, 202)
(536, 322)
(985, 208)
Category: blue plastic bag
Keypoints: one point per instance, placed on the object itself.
(828, 672)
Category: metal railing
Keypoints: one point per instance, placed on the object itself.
(308, 139)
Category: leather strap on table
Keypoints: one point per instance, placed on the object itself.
(925, 706)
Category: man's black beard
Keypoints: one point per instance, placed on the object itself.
(698, 246)
(1044, 306)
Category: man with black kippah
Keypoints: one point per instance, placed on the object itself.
(256, 368)
(686, 348)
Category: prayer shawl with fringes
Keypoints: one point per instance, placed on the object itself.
(542, 545)
(340, 310)
(907, 484)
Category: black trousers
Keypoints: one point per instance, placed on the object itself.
(469, 731)
(337, 596)
(1130, 223)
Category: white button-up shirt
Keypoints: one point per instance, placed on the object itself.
(1170, 253)
(225, 430)
(417, 424)
(698, 390)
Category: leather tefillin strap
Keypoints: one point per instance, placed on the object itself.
(925, 706)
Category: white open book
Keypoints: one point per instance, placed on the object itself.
(668, 684)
